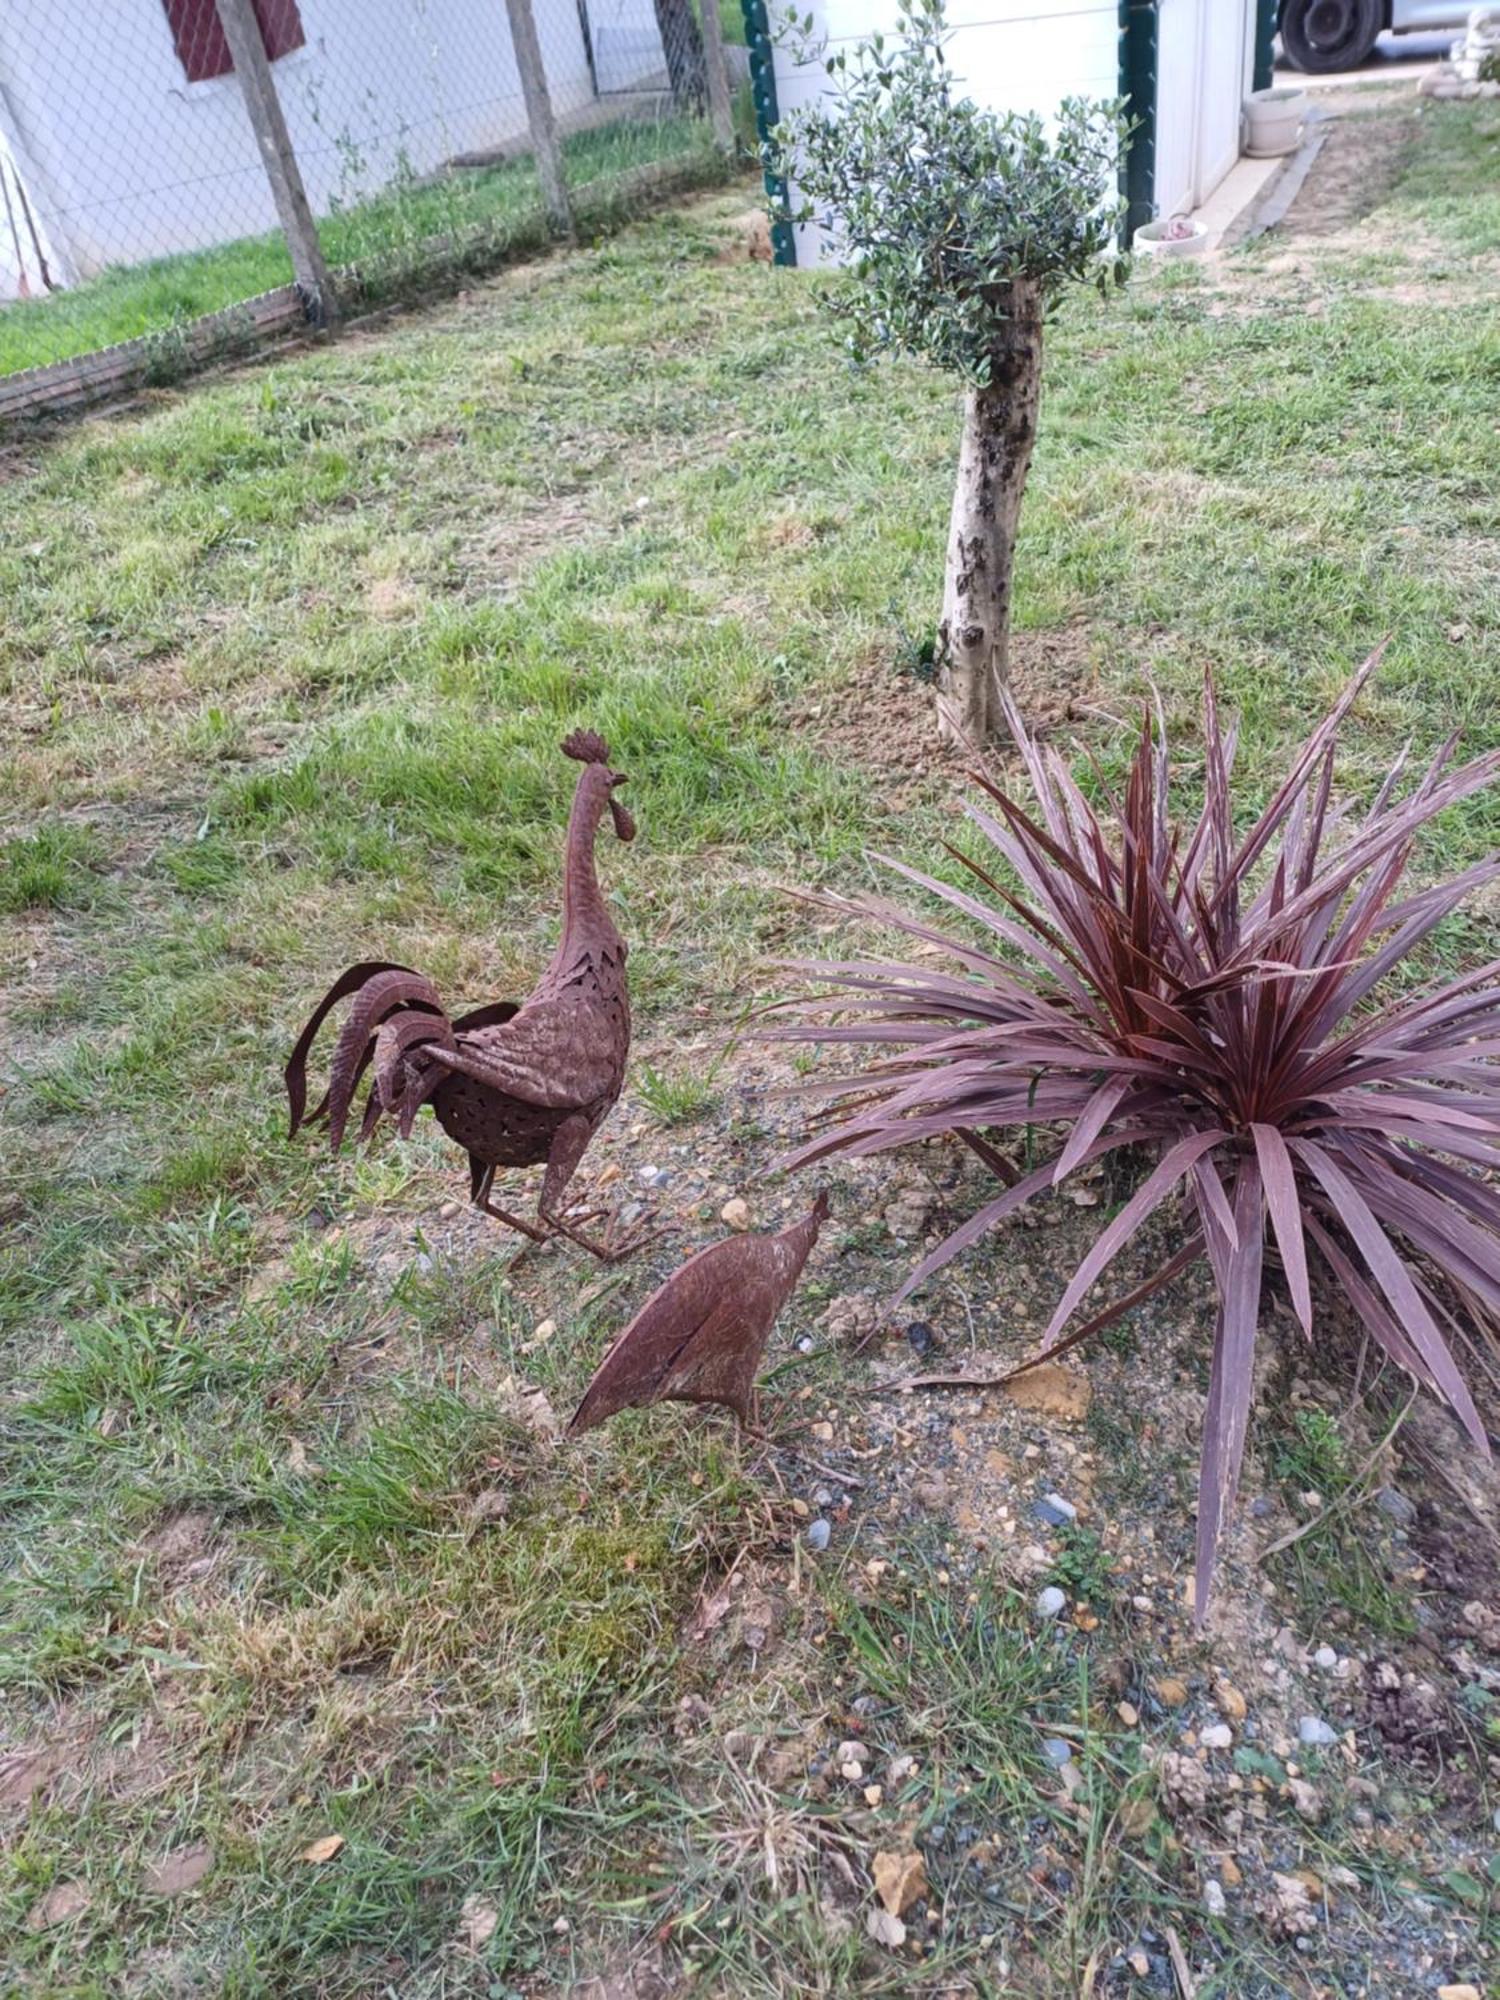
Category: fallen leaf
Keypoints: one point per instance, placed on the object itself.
(324, 1849)
(900, 1880)
(479, 1920)
(710, 1613)
(61, 1902)
(183, 1869)
(886, 1929)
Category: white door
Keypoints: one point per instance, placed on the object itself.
(1201, 79)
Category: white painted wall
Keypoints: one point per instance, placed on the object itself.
(127, 160)
(1027, 55)
(1012, 55)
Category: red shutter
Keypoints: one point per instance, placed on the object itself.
(201, 47)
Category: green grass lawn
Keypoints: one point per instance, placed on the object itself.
(286, 658)
(384, 241)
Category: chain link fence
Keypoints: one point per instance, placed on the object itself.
(179, 176)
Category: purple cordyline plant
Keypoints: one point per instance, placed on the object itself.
(1215, 1000)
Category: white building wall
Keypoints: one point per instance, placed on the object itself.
(127, 160)
(1027, 55)
(1010, 55)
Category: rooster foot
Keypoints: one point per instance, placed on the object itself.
(613, 1249)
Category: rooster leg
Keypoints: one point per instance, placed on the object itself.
(568, 1145)
(482, 1201)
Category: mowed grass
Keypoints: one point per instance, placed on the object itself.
(386, 243)
(286, 659)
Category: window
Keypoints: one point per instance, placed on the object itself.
(201, 47)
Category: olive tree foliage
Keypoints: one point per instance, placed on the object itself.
(959, 229)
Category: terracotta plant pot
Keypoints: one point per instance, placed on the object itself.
(1273, 122)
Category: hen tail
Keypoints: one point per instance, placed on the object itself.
(381, 991)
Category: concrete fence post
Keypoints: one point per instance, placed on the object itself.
(720, 105)
(309, 270)
(549, 166)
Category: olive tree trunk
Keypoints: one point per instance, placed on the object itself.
(999, 431)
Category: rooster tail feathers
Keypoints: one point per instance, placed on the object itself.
(296, 1069)
(380, 991)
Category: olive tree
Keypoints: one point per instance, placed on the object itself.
(959, 229)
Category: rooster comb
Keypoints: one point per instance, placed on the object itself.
(587, 746)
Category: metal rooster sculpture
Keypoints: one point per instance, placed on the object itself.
(700, 1337)
(515, 1085)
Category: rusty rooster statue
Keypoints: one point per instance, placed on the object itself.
(515, 1085)
(700, 1337)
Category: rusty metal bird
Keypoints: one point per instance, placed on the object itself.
(517, 1085)
(700, 1337)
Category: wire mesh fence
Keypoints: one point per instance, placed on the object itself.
(152, 159)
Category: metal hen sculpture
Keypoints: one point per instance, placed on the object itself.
(515, 1085)
(700, 1337)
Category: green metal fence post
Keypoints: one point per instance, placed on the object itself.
(1265, 34)
(763, 86)
(1138, 89)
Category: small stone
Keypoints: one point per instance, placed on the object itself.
(1304, 1798)
(1326, 1659)
(1395, 1506)
(1128, 1713)
(819, 1534)
(1462, 1991)
(1214, 1899)
(851, 1752)
(852, 1771)
(873, 1795)
(1139, 1964)
(922, 1340)
(1051, 1602)
(1064, 1507)
(1231, 1702)
(1057, 1751)
(1170, 1693)
(448, 1210)
(544, 1329)
(1217, 1736)
(1312, 1729)
(561, 1926)
(899, 1769)
(1229, 1868)
(736, 1213)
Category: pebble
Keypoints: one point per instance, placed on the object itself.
(804, 1343)
(736, 1213)
(654, 1176)
(1313, 1729)
(922, 1339)
(1139, 1964)
(1326, 1658)
(1054, 1510)
(873, 1795)
(822, 1498)
(1170, 1693)
(1462, 1991)
(1057, 1750)
(851, 1752)
(1217, 1736)
(1214, 1899)
(1395, 1506)
(1128, 1713)
(1051, 1602)
(544, 1329)
(819, 1534)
